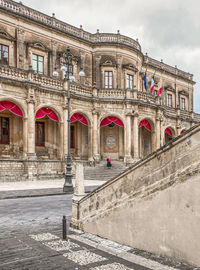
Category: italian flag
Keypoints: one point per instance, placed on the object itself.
(159, 91)
(152, 83)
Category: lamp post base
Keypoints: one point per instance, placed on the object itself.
(68, 188)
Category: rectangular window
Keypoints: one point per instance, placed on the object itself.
(129, 81)
(155, 93)
(39, 134)
(182, 103)
(169, 100)
(38, 63)
(108, 79)
(4, 130)
(4, 54)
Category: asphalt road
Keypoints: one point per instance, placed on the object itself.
(29, 214)
(31, 238)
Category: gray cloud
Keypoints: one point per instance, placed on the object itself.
(166, 29)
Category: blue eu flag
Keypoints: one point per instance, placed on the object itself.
(145, 81)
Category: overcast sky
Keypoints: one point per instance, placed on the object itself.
(168, 30)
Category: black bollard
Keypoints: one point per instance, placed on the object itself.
(64, 228)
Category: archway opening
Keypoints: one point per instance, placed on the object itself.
(47, 134)
(145, 137)
(11, 130)
(168, 134)
(79, 136)
(112, 138)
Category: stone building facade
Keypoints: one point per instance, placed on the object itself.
(111, 112)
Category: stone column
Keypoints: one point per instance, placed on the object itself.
(157, 132)
(25, 137)
(95, 144)
(61, 132)
(31, 127)
(65, 114)
(135, 137)
(31, 162)
(90, 144)
(118, 72)
(128, 157)
(20, 47)
(162, 132)
(98, 72)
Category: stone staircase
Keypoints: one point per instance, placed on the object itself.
(102, 173)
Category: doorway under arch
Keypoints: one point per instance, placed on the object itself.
(112, 138)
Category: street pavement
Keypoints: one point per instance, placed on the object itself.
(23, 189)
(31, 238)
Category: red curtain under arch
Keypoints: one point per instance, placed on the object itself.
(12, 107)
(46, 111)
(145, 124)
(79, 117)
(111, 119)
(169, 132)
(182, 131)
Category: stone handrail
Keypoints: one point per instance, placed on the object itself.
(160, 65)
(111, 93)
(83, 90)
(37, 16)
(47, 81)
(146, 97)
(13, 73)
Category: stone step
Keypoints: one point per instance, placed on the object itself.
(101, 172)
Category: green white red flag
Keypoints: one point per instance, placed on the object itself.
(159, 92)
(152, 83)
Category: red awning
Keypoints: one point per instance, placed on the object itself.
(146, 124)
(111, 119)
(79, 117)
(46, 111)
(169, 132)
(8, 105)
(182, 131)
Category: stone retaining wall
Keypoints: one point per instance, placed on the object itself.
(154, 206)
(20, 170)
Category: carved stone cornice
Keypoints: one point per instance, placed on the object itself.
(130, 66)
(38, 45)
(183, 92)
(4, 34)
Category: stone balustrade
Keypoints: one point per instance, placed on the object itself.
(37, 16)
(13, 73)
(111, 93)
(160, 65)
(26, 76)
(146, 97)
(47, 81)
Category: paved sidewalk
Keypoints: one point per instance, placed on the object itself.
(82, 251)
(13, 190)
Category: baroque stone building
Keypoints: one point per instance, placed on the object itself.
(111, 112)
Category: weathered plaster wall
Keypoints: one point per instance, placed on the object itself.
(154, 206)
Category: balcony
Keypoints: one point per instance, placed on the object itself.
(13, 75)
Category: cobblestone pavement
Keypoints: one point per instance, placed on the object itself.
(30, 238)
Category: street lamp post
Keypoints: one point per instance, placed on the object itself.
(67, 67)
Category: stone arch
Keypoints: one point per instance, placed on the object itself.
(84, 114)
(22, 107)
(146, 138)
(112, 136)
(48, 134)
(169, 133)
(110, 114)
(54, 108)
(12, 140)
(81, 135)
